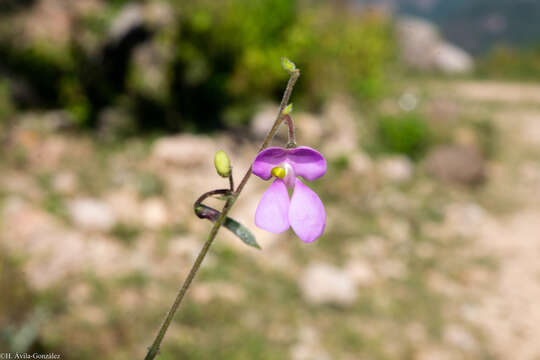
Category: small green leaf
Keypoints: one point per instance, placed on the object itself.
(242, 232)
(288, 109)
(288, 64)
(206, 212)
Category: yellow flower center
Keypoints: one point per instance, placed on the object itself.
(278, 172)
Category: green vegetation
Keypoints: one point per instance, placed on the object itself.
(52, 201)
(149, 185)
(126, 233)
(17, 298)
(6, 105)
(205, 68)
(508, 63)
(407, 134)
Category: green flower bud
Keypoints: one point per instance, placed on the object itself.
(288, 64)
(288, 109)
(222, 163)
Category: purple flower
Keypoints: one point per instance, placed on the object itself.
(304, 212)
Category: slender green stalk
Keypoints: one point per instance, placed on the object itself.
(154, 349)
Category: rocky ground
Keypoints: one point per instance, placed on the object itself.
(434, 259)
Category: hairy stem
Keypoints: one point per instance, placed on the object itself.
(154, 349)
(292, 136)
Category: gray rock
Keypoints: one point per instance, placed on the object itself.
(60, 253)
(327, 284)
(48, 21)
(160, 14)
(92, 214)
(417, 39)
(396, 169)
(308, 128)
(458, 336)
(184, 246)
(422, 48)
(361, 272)
(456, 164)
(129, 18)
(450, 59)
(125, 205)
(465, 219)
(308, 346)
(263, 120)
(203, 293)
(154, 213)
(65, 183)
(360, 163)
(185, 150)
(341, 130)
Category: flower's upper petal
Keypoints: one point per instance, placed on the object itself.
(272, 213)
(306, 213)
(307, 162)
(266, 160)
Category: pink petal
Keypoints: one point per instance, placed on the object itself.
(306, 213)
(266, 160)
(307, 162)
(273, 210)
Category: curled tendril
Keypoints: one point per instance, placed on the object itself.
(206, 212)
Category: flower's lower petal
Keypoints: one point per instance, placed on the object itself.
(307, 162)
(273, 210)
(266, 160)
(306, 213)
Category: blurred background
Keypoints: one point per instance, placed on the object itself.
(428, 112)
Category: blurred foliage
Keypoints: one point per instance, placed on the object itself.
(487, 135)
(205, 67)
(339, 164)
(126, 233)
(16, 299)
(406, 133)
(6, 105)
(508, 63)
(149, 185)
(13, 5)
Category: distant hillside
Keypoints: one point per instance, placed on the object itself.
(477, 25)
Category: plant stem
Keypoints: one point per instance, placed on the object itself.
(284, 101)
(231, 180)
(206, 212)
(210, 193)
(292, 136)
(154, 349)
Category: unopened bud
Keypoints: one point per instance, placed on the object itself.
(288, 64)
(288, 109)
(222, 163)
